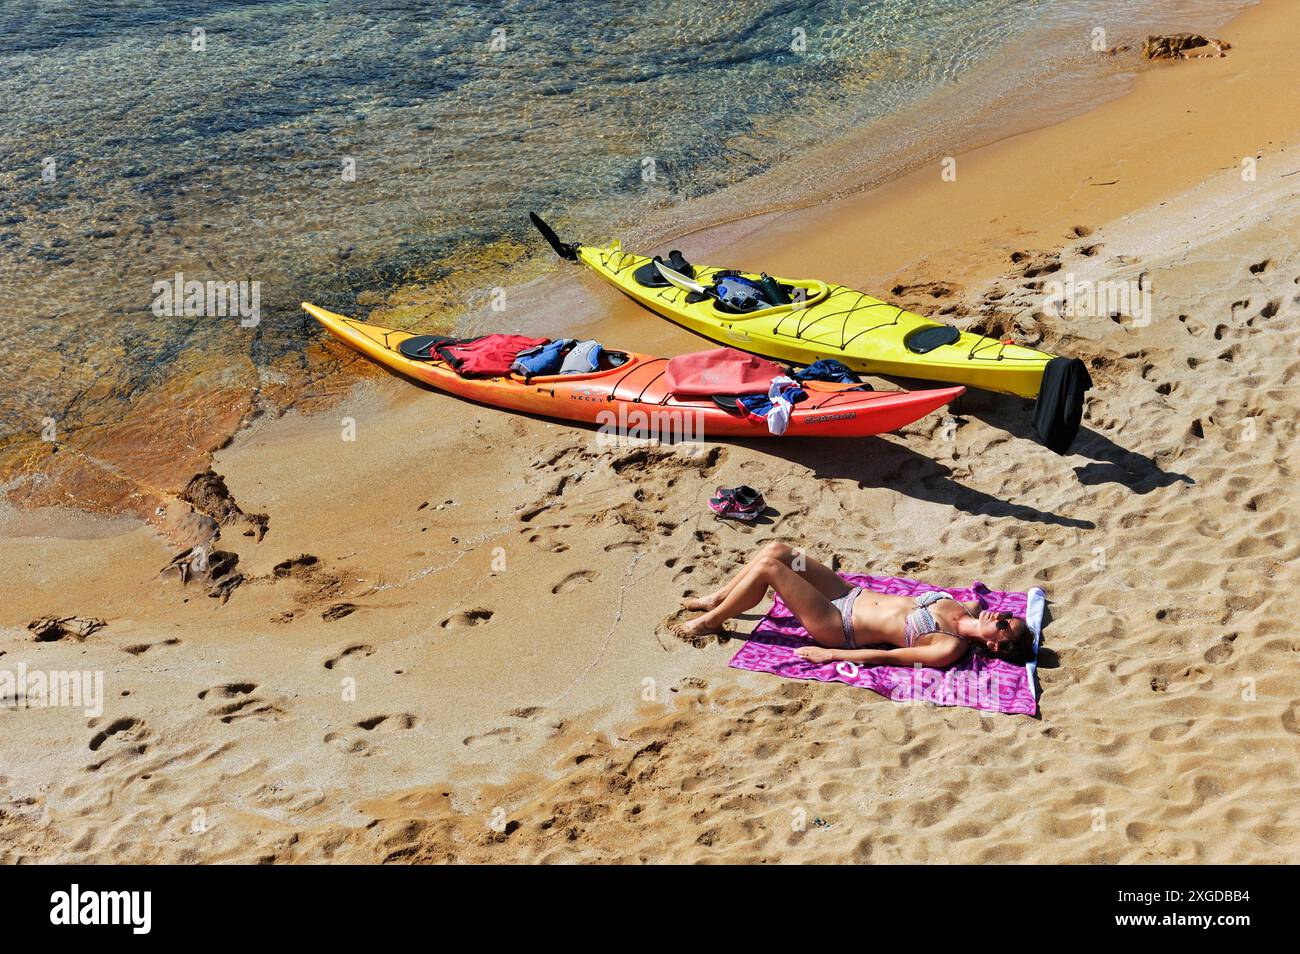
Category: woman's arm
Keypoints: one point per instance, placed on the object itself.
(936, 655)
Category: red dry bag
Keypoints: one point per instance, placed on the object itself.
(720, 371)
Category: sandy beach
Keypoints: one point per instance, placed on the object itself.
(450, 640)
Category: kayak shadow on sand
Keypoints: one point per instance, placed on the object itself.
(873, 462)
(870, 461)
(1112, 464)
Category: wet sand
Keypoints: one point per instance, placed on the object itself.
(450, 642)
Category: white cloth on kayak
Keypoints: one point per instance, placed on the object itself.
(778, 418)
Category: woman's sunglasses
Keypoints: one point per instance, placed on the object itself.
(1003, 622)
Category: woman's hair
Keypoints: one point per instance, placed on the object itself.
(1016, 645)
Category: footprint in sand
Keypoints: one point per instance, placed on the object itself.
(1170, 732)
(1291, 719)
(547, 538)
(1036, 264)
(250, 708)
(573, 581)
(122, 740)
(495, 737)
(242, 705)
(352, 742)
(526, 712)
(469, 617)
(529, 514)
(1271, 308)
(229, 690)
(637, 519)
(115, 727)
(299, 566)
(624, 545)
(1220, 651)
(365, 649)
(139, 649)
(931, 289)
(338, 611)
(573, 454)
(389, 723)
(347, 743)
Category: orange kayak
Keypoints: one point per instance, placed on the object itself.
(632, 399)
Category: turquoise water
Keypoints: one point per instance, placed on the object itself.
(228, 163)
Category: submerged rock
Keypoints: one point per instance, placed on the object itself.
(48, 629)
(207, 493)
(1183, 46)
(214, 569)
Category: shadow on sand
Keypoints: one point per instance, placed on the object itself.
(1112, 464)
(872, 462)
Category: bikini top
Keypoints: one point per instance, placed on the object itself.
(921, 620)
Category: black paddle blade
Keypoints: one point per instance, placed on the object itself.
(565, 251)
(1058, 414)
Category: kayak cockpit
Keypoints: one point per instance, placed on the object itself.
(628, 361)
(802, 292)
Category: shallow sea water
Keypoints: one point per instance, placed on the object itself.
(342, 151)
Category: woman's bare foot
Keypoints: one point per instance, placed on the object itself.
(695, 627)
(701, 603)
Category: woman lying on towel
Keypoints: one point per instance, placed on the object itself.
(932, 629)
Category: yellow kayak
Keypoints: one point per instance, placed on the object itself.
(825, 321)
(821, 320)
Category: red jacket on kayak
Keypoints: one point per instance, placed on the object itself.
(489, 356)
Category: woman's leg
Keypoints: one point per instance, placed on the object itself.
(827, 581)
(813, 607)
(711, 600)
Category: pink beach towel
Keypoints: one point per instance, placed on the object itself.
(991, 685)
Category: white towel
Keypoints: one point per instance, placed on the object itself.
(778, 419)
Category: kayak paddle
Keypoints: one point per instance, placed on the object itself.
(562, 249)
(678, 280)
